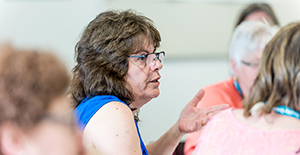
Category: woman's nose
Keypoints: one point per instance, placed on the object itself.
(157, 65)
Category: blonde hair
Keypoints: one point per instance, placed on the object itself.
(278, 80)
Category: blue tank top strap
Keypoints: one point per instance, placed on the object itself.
(90, 105)
(143, 147)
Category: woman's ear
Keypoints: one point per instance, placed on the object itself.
(11, 138)
(234, 67)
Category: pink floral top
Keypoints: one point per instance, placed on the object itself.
(224, 134)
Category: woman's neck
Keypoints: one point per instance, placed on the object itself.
(245, 92)
(138, 103)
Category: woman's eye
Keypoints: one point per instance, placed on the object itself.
(142, 58)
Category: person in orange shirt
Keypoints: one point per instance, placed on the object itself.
(245, 51)
(269, 123)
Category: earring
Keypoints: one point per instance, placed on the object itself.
(234, 78)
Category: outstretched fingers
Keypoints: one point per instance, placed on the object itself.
(216, 109)
(207, 113)
(197, 98)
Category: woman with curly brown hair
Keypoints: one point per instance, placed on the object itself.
(117, 72)
(270, 120)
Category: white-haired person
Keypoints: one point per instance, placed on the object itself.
(245, 51)
(270, 120)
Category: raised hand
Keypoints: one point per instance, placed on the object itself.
(192, 118)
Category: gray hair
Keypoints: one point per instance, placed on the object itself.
(248, 37)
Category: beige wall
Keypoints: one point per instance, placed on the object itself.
(54, 24)
(197, 29)
(195, 36)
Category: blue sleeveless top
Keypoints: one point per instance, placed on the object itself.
(89, 106)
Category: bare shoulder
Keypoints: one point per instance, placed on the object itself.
(287, 122)
(112, 125)
(114, 113)
(272, 121)
(239, 114)
(117, 107)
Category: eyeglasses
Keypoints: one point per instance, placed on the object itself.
(148, 59)
(252, 65)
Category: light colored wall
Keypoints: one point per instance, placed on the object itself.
(47, 24)
(195, 36)
(189, 29)
(199, 28)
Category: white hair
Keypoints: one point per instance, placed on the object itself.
(248, 37)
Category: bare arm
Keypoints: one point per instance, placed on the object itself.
(112, 131)
(191, 119)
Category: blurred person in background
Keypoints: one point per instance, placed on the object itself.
(258, 12)
(245, 51)
(36, 117)
(270, 120)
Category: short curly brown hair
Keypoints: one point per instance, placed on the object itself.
(103, 50)
(29, 82)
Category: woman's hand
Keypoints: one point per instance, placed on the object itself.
(192, 118)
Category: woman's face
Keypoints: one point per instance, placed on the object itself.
(51, 137)
(55, 134)
(247, 71)
(143, 78)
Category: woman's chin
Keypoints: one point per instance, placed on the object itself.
(156, 94)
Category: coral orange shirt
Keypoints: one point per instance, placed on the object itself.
(220, 93)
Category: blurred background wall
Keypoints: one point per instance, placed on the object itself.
(195, 36)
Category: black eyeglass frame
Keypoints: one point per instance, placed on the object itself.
(146, 55)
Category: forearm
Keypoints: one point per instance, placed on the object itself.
(167, 143)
